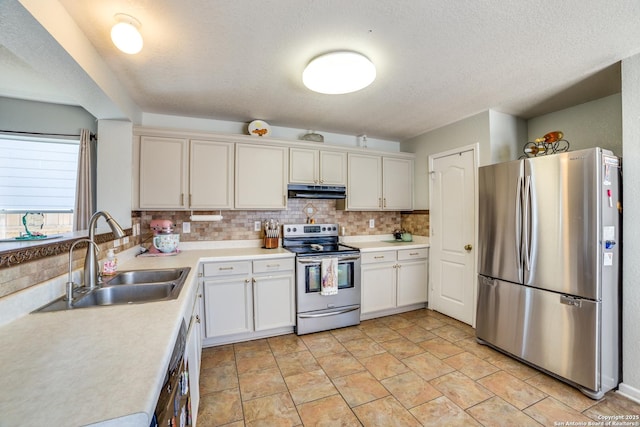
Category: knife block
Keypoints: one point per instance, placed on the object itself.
(271, 242)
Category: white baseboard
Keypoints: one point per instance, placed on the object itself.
(628, 391)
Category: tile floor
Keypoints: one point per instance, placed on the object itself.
(411, 369)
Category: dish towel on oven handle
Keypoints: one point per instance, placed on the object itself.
(329, 273)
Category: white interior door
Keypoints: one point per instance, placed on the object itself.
(452, 218)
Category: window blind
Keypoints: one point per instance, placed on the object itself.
(37, 174)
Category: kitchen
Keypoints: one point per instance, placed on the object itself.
(483, 124)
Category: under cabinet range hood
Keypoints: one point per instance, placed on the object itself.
(303, 191)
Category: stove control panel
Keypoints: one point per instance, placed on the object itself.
(308, 230)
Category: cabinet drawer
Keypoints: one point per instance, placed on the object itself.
(215, 269)
(372, 257)
(269, 265)
(406, 254)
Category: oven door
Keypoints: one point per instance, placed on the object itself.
(308, 271)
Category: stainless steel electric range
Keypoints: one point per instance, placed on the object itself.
(313, 243)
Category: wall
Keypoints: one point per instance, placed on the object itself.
(506, 134)
(468, 131)
(631, 263)
(31, 116)
(592, 124)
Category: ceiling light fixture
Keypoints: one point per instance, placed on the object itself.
(125, 34)
(339, 72)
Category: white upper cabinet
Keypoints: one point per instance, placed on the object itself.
(308, 166)
(397, 184)
(163, 172)
(261, 177)
(177, 173)
(379, 183)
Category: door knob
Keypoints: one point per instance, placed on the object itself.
(468, 247)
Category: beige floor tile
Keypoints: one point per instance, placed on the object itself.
(613, 404)
(495, 412)
(429, 323)
(442, 412)
(385, 412)
(213, 356)
(364, 347)
(410, 390)
(451, 333)
(221, 377)
(360, 388)
(461, 390)
(415, 333)
(262, 383)
(250, 346)
(297, 363)
(566, 394)
(479, 350)
(513, 366)
(415, 314)
(309, 386)
(340, 364)
(384, 365)
(220, 408)
(402, 348)
(427, 366)
(513, 390)
(470, 365)
(382, 333)
(323, 344)
(255, 361)
(285, 344)
(348, 334)
(329, 411)
(549, 412)
(440, 347)
(275, 410)
(396, 322)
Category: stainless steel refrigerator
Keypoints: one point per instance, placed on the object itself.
(548, 264)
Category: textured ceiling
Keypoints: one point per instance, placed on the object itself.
(437, 61)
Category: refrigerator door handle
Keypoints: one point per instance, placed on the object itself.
(527, 223)
(518, 222)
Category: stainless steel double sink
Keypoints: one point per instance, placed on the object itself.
(127, 287)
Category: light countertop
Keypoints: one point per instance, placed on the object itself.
(100, 365)
(370, 245)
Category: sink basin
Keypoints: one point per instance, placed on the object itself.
(126, 294)
(127, 287)
(144, 276)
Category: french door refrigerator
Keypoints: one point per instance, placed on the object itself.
(548, 264)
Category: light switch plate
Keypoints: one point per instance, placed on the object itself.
(186, 227)
(372, 223)
(257, 226)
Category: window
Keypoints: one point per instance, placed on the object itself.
(37, 175)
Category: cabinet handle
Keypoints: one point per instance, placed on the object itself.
(190, 203)
(384, 202)
(379, 202)
(254, 281)
(181, 199)
(225, 268)
(199, 295)
(413, 253)
(273, 265)
(284, 200)
(247, 280)
(379, 257)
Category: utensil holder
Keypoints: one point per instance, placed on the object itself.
(271, 242)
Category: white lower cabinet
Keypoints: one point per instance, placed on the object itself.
(393, 281)
(193, 354)
(248, 299)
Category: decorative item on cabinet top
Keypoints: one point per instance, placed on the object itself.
(550, 143)
(312, 136)
(259, 128)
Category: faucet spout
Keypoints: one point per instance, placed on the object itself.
(90, 261)
(70, 284)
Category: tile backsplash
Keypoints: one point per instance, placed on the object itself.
(238, 225)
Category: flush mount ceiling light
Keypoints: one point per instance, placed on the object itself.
(125, 34)
(339, 72)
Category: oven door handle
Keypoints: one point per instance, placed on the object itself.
(330, 313)
(317, 260)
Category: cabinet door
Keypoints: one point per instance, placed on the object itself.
(378, 287)
(163, 172)
(365, 182)
(303, 166)
(397, 184)
(412, 282)
(192, 357)
(261, 177)
(274, 301)
(333, 168)
(228, 306)
(211, 175)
